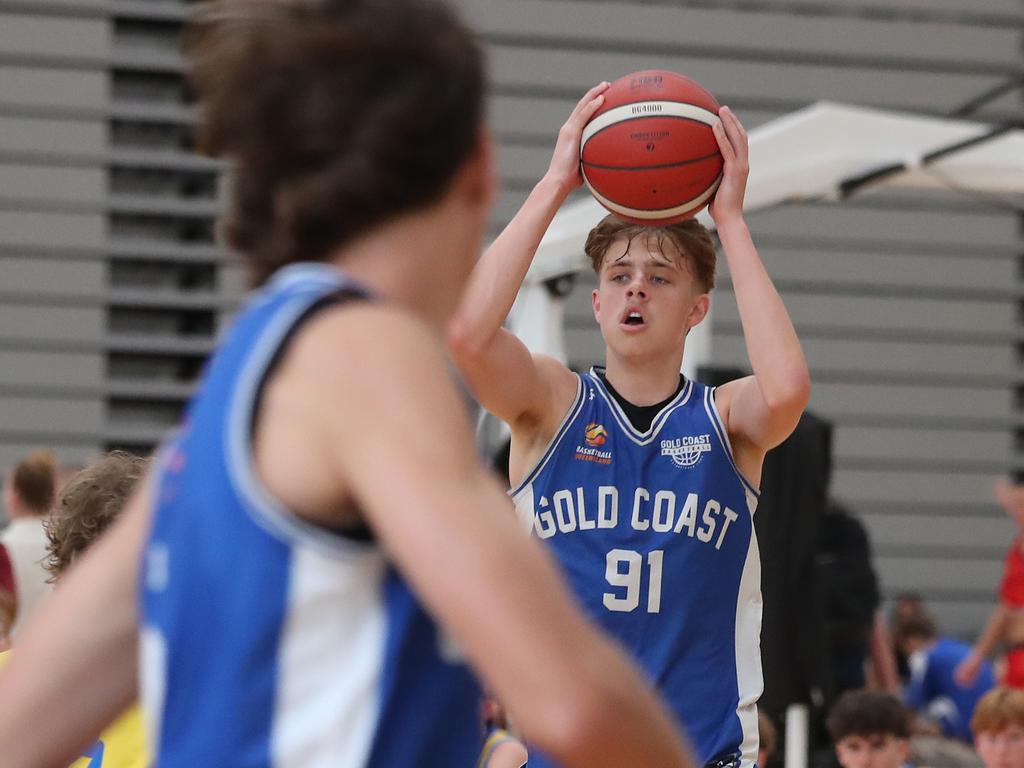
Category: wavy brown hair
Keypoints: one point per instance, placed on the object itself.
(338, 115)
(689, 237)
(90, 502)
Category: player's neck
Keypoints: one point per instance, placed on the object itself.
(643, 382)
(399, 263)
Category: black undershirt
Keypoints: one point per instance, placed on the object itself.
(640, 416)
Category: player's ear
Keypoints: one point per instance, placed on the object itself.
(595, 302)
(477, 178)
(699, 311)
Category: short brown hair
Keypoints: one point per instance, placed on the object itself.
(998, 709)
(338, 115)
(35, 479)
(689, 237)
(866, 713)
(918, 624)
(88, 504)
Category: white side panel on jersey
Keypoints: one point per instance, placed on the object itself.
(330, 662)
(523, 502)
(749, 677)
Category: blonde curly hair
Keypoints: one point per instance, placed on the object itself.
(92, 500)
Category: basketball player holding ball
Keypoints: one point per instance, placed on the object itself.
(643, 483)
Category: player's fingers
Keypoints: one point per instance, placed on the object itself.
(588, 99)
(724, 144)
(734, 129)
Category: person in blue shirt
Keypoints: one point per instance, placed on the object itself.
(932, 691)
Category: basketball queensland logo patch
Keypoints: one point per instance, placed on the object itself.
(686, 451)
(595, 436)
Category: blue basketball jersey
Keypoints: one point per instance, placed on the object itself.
(266, 640)
(654, 531)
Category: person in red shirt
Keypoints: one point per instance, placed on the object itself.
(1006, 623)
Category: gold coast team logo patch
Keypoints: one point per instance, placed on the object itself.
(595, 435)
(686, 451)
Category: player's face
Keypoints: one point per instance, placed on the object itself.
(1001, 749)
(646, 299)
(878, 750)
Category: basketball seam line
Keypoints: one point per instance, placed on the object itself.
(649, 167)
(643, 117)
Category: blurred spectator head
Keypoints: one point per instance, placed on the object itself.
(914, 631)
(30, 487)
(870, 729)
(90, 502)
(768, 739)
(906, 604)
(998, 725)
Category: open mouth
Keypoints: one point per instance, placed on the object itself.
(633, 318)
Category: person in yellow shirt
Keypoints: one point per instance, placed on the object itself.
(87, 506)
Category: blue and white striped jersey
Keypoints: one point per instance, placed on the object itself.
(654, 531)
(268, 641)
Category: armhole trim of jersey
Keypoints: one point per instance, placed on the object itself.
(568, 419)
(723, 437)
(260, 504)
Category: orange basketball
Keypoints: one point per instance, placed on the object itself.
(648, 154)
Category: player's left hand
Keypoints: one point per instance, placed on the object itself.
(732, 141)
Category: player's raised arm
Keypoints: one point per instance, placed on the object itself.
(74, 669)
(406, 456)
(760, 411)
(497, 366)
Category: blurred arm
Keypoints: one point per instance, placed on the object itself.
(74, 668)
(994, 632)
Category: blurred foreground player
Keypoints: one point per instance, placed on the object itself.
(324, 480)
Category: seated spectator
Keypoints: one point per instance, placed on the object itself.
(768, 739)
(904, 606)
(932, 691)
(28, 496)
(998, 726)
(869, 729)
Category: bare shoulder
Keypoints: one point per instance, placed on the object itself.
(726, 393)
(559, 386)
(342, 338)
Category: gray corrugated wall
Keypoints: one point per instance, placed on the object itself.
(907, 304)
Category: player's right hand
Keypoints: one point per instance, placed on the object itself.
(565, 161)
